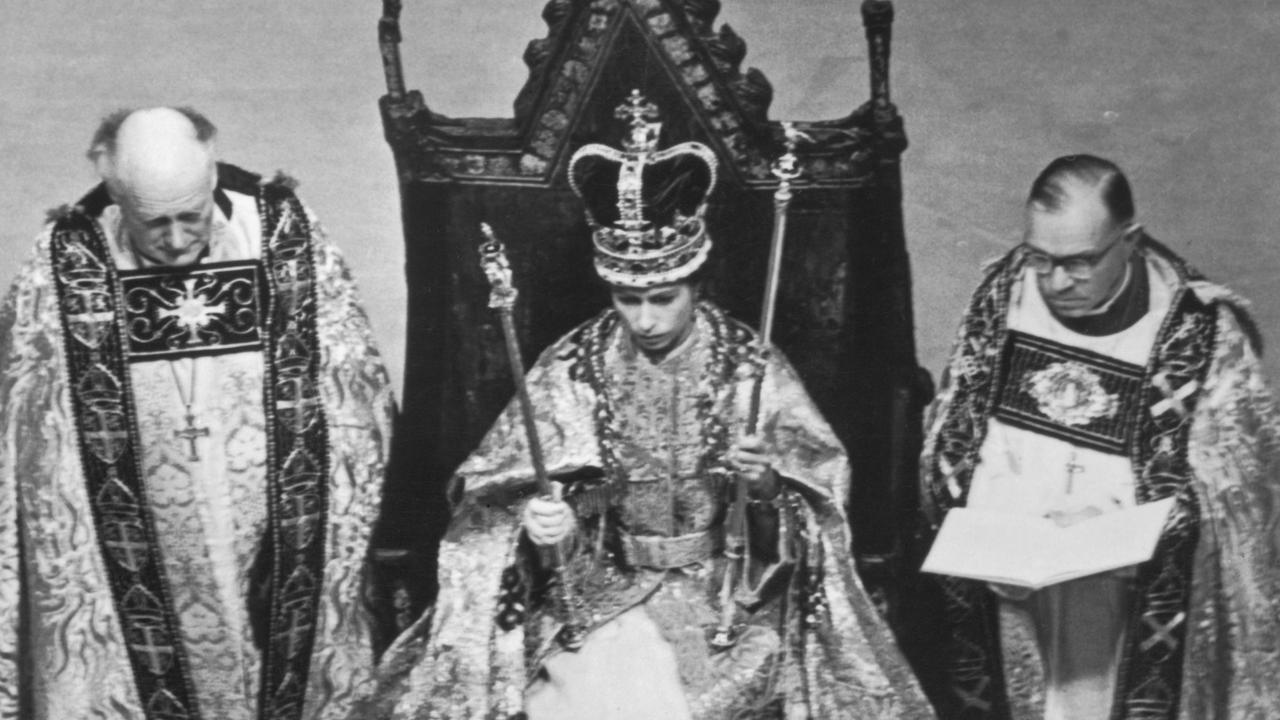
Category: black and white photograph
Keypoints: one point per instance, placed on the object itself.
(640, 360)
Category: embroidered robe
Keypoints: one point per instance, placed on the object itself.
(1199, 632)
(159, 566)
(640, 446)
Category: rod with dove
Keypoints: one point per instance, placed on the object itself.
(787, 169)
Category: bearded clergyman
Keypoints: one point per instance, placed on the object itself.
(193, 429)
(1096, 372)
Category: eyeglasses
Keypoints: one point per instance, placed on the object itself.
(1077, 267)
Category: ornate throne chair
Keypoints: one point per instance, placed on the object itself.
(844, 311)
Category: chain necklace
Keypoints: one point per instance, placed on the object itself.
(191, 432)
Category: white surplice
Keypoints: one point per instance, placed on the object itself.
(62, 650)
(1078, 625)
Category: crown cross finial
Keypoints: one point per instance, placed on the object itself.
(640, 113)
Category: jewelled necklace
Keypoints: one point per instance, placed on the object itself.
(727, 344)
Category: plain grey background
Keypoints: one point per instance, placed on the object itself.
(1184, 94)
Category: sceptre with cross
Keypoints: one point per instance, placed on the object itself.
(502, 297)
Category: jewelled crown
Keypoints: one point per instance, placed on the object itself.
(645, 205)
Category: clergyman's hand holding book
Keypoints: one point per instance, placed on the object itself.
(1034, 553)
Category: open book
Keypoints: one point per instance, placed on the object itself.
(1034, 552)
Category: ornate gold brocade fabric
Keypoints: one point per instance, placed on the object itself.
(62, 650)
(816, 649)
(1231, 651)
(661, 448)
(1233, 644)
(1233, 624)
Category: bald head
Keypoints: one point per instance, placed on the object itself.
(160, 168)
(155, 158)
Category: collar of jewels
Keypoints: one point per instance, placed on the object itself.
(634, 252)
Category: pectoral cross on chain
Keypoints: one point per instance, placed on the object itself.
(191, 433)
(1073, 468)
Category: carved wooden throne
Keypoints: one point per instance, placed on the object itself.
(844, 312)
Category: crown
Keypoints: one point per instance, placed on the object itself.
(645, 206)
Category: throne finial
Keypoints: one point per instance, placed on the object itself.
(787, 167)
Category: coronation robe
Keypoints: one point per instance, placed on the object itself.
(191, 462)
(1033, 417)
(639, 444)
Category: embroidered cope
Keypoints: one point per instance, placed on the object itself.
(1175, 405)
(201, 517)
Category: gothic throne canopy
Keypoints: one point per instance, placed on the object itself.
(844, 311)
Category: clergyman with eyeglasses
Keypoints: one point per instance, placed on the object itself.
(1095, 372)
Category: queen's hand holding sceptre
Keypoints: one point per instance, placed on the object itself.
(642, 414)
(548, 521)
